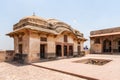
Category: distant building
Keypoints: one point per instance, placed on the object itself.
(38, 38)
(105, 41)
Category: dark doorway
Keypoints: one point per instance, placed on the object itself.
(119, 49)
(20, 48)
(79, 50)
(42, 51)
(65, 50)
(58, 51)
(70, 50)
(106, 46)
(19, 56)
(118, 46)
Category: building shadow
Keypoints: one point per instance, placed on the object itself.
(17, 64)
(56, 59)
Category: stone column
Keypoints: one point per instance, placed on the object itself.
(101, 42)
(67, 50)
(111, 38)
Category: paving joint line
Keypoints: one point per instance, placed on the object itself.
(81, 76)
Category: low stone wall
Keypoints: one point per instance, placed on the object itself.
(6, 55)
(2, 56)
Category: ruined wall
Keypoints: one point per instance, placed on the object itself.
(6, 55)
(2, 56)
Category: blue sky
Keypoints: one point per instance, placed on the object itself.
(83, 15)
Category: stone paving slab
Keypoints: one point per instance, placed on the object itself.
(9, 71)
(109, 71)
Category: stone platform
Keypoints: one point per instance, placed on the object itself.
(109, 71)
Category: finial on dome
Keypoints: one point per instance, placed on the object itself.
(33, 13)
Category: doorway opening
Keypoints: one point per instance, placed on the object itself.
(42, 51)
(79, 50)
(65, 50)
(118, 46)
(20, 48)
(58, 51)
(106, 46)
(70, 50)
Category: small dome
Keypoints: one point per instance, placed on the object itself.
(33, 17)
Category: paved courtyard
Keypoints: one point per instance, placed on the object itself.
(28, 72)
(109, 71)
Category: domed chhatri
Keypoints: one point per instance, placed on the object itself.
(33, 17)
(38, 38)
(31, 20)
(49, 25)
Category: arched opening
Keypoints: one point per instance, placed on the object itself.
(106, 45)
(116, 46)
